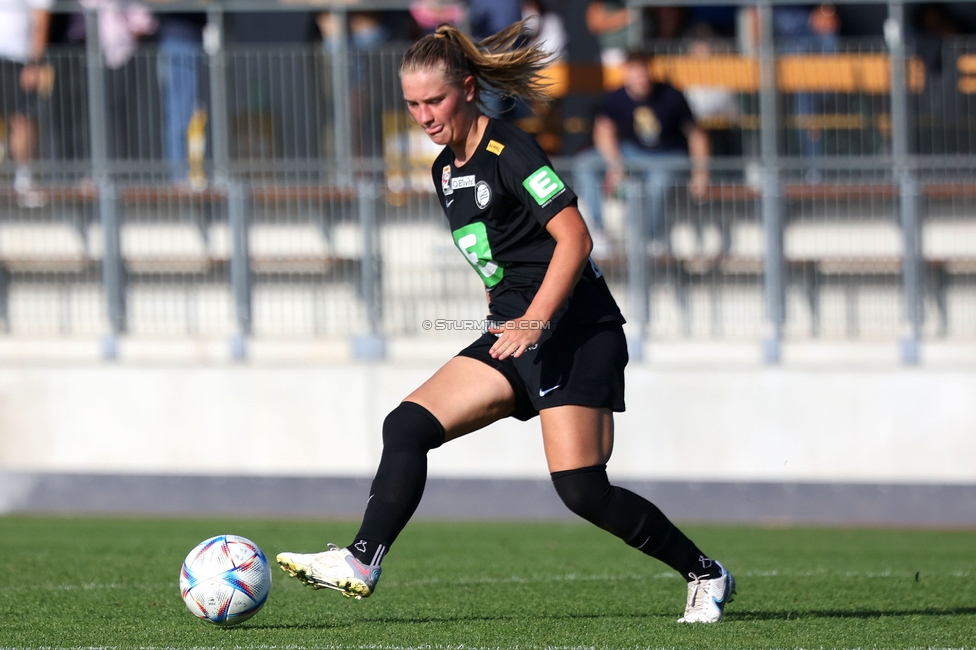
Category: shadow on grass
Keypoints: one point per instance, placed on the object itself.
(732, 616)
(839, 613)
(423, 620)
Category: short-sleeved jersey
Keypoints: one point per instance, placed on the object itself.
(498, 204)
(655, 123)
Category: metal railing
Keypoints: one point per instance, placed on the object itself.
(841, 208)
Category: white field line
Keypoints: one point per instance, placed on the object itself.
(670, 575)
(406, 647)
(569, 577)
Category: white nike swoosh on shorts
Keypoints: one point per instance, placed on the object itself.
(543, 393)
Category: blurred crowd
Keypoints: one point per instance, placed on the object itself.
(603, 31)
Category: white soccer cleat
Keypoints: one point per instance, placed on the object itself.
(707, 598)
(336, 569)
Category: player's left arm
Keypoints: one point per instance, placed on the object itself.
(573, 246)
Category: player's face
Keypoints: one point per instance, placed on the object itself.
(443, 109)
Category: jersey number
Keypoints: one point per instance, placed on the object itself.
(472, 241)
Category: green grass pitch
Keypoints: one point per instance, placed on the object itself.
(100, 583)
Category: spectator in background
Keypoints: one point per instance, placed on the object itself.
(66, 111)
(714, 107)
(609, 21)
(546, 31)
(797, 29)
(180, 51)
(933, 22)
(428, 14)
(545, 28)
(667, 22)
(817, 34)
(718, 19)
(120, 27)
(647, 125)
(489, 17)
(802, 29)
(366, 33)
(275, 98)
(23, 78)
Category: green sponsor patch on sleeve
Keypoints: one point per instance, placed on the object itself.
(543, 184)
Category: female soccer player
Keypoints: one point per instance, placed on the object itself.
(556, 350)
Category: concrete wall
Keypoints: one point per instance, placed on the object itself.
(736, 425)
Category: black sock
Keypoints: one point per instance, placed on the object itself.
(409, 432)
(367, 551)
(632, 518)
(681, 554)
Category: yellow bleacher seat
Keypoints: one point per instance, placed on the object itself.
(841, 73)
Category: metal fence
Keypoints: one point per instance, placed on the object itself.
(840, 205)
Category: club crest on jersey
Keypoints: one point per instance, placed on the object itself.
(482, 195)
(446, 181)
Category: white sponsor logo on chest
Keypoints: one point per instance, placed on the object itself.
(462, 182)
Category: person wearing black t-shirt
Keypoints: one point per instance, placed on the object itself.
(648, 126)
(554, 347)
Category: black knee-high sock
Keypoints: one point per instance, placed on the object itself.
(409, 432)
(632, 518)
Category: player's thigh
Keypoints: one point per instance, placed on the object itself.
(576, 436)
(465, 395)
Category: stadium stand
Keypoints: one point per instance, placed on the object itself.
(308, 257)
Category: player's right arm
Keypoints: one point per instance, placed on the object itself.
(573, 247)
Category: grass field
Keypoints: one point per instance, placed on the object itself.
(74, 583)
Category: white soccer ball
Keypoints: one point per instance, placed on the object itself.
(225, 580)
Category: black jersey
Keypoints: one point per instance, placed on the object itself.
(498, 204)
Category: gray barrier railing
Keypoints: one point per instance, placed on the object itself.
(306, 211)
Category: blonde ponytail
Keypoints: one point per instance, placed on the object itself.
(496, 63)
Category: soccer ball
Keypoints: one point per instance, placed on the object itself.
(225, 580)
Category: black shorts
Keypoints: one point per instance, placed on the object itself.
(580, 365)
(13, 99)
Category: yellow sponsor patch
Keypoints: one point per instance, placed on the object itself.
(495, 147)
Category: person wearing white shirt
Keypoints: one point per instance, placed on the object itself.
(23, 40)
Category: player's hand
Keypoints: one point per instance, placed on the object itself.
(515, 337)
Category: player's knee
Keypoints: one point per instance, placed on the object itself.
(585, 491)
(411, 427)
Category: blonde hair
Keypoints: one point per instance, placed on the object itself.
(495, 63)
